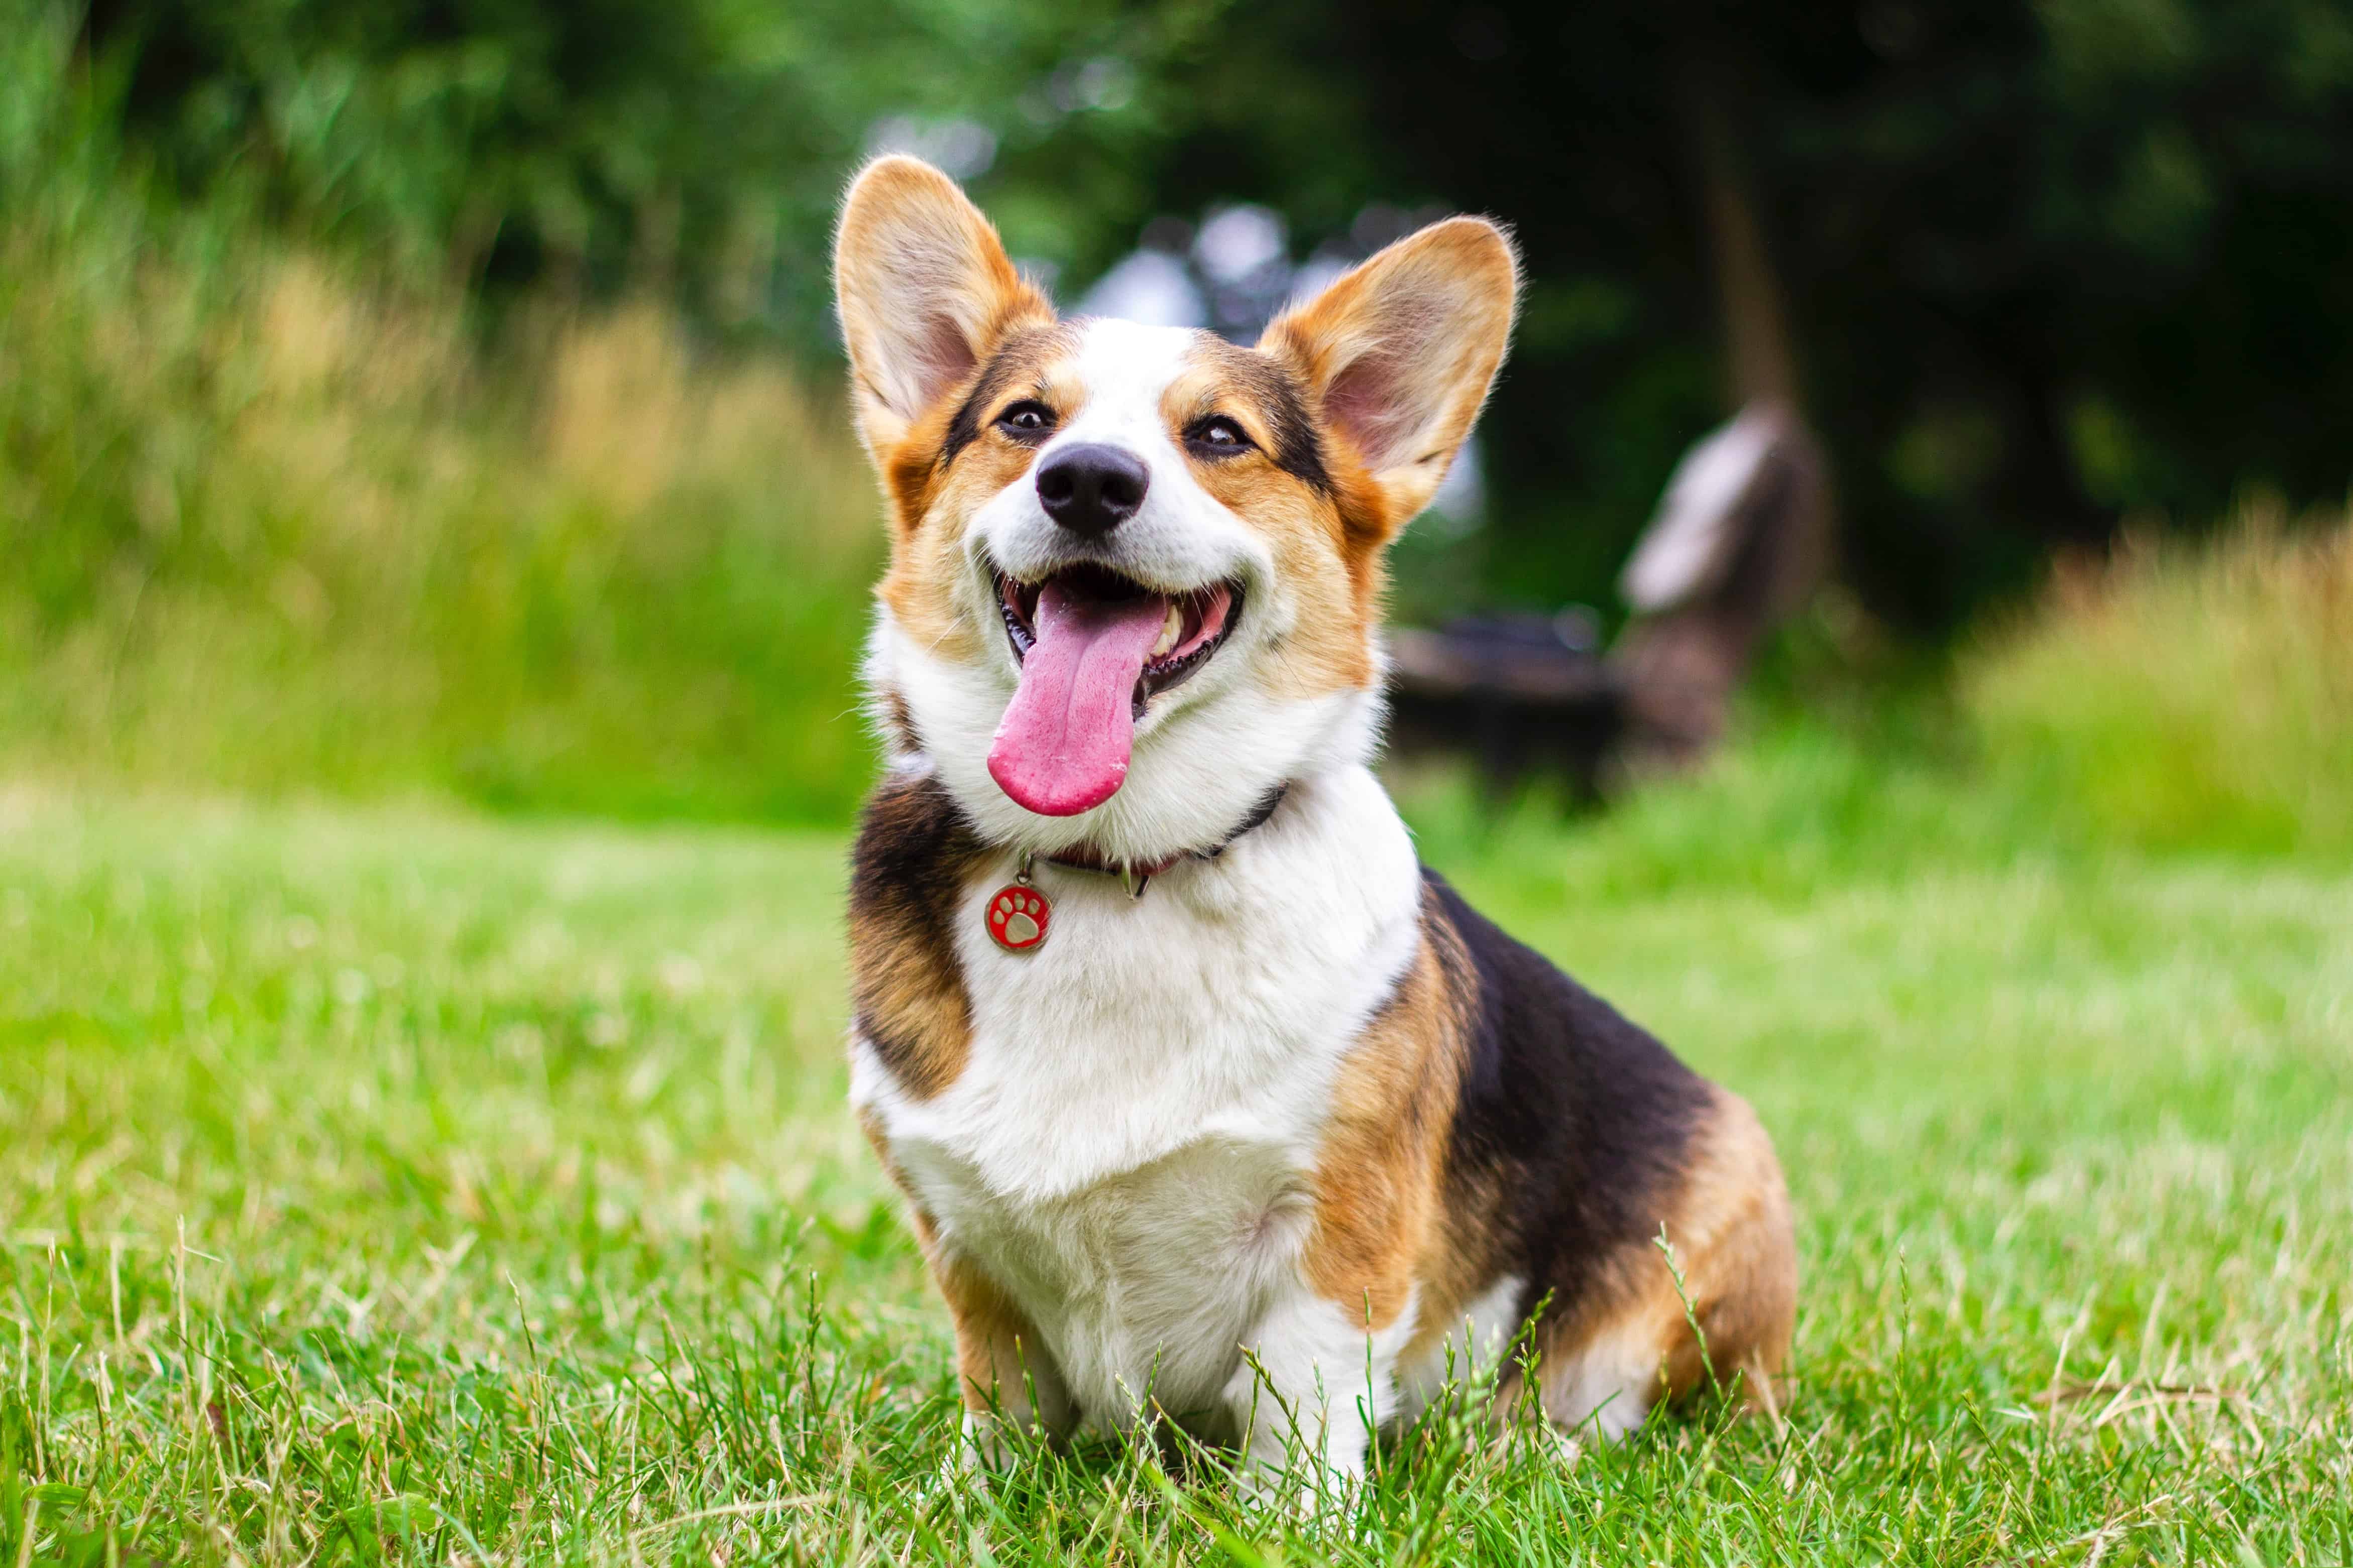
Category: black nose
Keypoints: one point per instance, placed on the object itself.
(1092, 489)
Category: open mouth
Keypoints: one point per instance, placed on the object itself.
(1192, 627)
(1094, 648)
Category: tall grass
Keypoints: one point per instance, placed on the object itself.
(2180, 697)
(273, 522)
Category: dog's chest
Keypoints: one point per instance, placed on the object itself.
(1126, 1150)
(1145, 1283)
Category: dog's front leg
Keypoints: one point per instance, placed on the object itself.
(1318, 1378)
(1010, 1385)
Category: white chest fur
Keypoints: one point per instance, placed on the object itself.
(1126, 1149)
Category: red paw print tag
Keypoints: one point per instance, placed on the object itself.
(1018, 915)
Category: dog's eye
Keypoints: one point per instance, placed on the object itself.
(1025, 419)
(1218, 435)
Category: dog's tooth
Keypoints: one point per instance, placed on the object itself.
(1169, 632)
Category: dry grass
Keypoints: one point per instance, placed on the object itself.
(282, 527)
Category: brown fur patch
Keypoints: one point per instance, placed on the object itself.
(1730, 1230)
(928, 301)
(926, 292)
(914, 853)
(999, 1356)
(1261, 393)
(1000, 1359)
(1392, 1216)
(1733, 1240)
(1381, 1224)
(897, 721)
(1032, 364)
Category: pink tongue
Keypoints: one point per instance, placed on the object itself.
(1063, 746)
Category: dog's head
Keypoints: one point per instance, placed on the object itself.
(1135, 572)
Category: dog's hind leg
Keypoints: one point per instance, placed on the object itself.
(1711, 1312)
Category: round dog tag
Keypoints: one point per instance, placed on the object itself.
(1019, 916)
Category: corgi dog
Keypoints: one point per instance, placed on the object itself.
(1211, 1106)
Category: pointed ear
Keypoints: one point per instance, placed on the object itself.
(924, 290)
(1402, 350)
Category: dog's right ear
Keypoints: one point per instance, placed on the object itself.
(925, 291)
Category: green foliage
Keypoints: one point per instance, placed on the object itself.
(347, 563)
(2041, 264)
(280, 518)
(696, 146)
(274, 523)
(390, 1185)
(2044, 264)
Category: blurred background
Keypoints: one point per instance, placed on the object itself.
(410, 396)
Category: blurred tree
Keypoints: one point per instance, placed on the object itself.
(2047, 263)
(598, 145)
(2043, 262)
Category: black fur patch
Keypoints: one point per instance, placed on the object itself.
(1579, 1120)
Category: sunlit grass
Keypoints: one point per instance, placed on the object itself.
(2183, 696)
(392, 1183)
(388, 1181)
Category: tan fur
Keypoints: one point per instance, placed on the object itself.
(1733, 1241)
(1386, 1220)
(994, 1340)
(905, 980)
(1729, 1227)
(897, 721)
(925, 291)
(927, 295)
(1396, 359)
(1402, 351)
(919, 585)
(930, 501)
(999, 1364)
(1379, 1204)
(1387, 1225)
(1336, 592)
(997, 1369)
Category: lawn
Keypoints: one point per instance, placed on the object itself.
(404, 1182)
(386, 1182)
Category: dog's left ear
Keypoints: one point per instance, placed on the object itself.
(926, 292)
(1401, 351)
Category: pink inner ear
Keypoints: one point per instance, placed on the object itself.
(1373, 403)
(943, 354)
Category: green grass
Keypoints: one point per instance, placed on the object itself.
(400, 1185)
(392, 1181)
(2173, 697)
